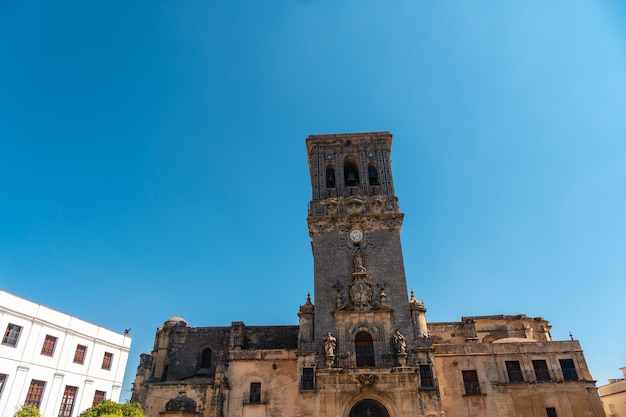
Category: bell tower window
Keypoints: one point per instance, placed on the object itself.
(364, 346)
(351, 171)
(205, 358)
(372, 174)
(330, 177)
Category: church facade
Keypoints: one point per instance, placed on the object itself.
(363, 346)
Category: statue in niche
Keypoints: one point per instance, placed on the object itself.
(358, 262)
(399, 342)
(330, 343)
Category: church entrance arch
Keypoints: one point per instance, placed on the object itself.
(368, 408)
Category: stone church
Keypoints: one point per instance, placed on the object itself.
(363, 346)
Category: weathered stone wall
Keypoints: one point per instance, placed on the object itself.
(500, 397)
(275, 370)
(159, 394)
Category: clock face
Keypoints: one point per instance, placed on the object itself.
(356, 235)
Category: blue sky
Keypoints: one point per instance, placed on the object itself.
(152, 156)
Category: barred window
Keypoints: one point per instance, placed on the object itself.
(426, 376)
(568, 369)
(11, 335)
(514, 371)
(35, 392)
(98, 397)
(107, 360)
(470, 382)
(48, 345)
(541, 370)
(79, 355)
(68, 400)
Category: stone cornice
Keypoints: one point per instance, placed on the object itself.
(343, 224)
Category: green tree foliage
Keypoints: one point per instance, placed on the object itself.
(111, 409)
(27, 411)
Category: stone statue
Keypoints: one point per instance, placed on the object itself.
(358, 262)
(399, 342)
(330, 343)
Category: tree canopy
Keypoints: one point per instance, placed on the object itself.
(112, 409)
(27, 411)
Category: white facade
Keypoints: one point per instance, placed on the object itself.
(44, 345)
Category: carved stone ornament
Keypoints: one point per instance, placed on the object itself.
(366, 381)
(354, 205)
(361, 293)
(344, 224)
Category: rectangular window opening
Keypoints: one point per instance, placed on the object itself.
(11, 335)
(255, 393)
(308, 379)
(48, 345)
(551, 412)
(79, 355)
(514, 371)
(3, 379)
(98, 397)
(426, 376)
(35, 392)
(68, 400)
(568, 369)
(541, 370)
(470, 382)
(107, 360)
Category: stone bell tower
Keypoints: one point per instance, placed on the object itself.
(354, 222)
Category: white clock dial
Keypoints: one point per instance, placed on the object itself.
(356, 235)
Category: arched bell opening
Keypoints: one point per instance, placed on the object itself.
(351, 171)
(372, 174)
(330, 177)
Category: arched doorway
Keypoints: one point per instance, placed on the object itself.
(368, 408)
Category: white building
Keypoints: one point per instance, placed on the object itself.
(59, 363)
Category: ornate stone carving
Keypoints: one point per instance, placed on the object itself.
(331, 207)
(368, 223)
(354, 205)
(366, 381)
(361, 292)
(399, 342)
(330, 344)
(376, 205)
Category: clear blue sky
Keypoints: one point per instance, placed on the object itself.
(152, 156)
